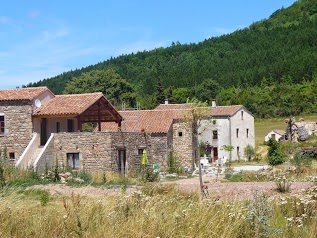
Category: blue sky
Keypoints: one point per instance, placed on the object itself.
(44, 38)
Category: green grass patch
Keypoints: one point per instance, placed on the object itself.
(264, 126)
(246, 176)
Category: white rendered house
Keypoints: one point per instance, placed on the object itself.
(224, 125)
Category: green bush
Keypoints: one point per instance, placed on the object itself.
(275, 156)
(172, 163)
(246, 176)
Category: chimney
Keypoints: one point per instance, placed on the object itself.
(166, 101)
(213, 103)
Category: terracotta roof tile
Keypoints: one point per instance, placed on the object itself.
(21, 93)
(215, 111)
(72, 104)
(225, 110)
(151, 121)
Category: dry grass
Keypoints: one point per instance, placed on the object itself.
(159, 211)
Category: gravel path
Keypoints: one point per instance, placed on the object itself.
(217, 190)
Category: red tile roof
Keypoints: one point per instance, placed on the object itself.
(21, 93)
(215, 111)
(151, 121)
(76, 104)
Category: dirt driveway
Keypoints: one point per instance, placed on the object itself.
(216, 190)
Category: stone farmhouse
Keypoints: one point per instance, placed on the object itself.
(223, 125)
(39, 129)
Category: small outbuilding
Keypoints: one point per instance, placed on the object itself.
(276, 135)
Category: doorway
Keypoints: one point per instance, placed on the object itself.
(121, 161)
(43, 131)
(215, 152)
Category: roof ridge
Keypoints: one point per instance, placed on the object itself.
(77, 94)
(7, 89)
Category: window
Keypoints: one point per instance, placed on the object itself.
(73, 160)
(180, 134)
(58, 127)
(241, 115)
(238, 151)
(11, 155)
(2, 125)
(237, 132)
(140, 151)
(247, 133)
(215, 135)
(70, 125)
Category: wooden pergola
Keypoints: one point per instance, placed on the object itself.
(89, 107)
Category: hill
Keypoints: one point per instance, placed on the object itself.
(275, 56)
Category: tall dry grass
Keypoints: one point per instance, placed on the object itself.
(156, 211)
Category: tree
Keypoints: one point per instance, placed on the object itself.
(208, 90)
(110, 83)
(197, 113)
(160, 97)
(249, 152)
(275, 156)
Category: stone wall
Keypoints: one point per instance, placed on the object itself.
(183, 143)
(98, 151)
(94, 149)
(18, 126)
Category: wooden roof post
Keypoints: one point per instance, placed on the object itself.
(79, 123)
(99, 117)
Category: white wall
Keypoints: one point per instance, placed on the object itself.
(269, 135)
(206, 134)
(243, 139)
(227, 133)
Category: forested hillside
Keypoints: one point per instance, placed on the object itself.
(270, 67)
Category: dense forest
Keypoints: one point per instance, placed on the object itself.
(270, 67)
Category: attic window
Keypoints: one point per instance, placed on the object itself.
(241, 115)
(180, 133)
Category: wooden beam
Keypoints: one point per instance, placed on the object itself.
(99, 118)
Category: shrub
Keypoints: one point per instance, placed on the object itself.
(300, 161)
(172, 163)
(282, 183)
(148, 174)
(249, 152)
(275, 156)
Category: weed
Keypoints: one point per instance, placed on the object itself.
(282, 183)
